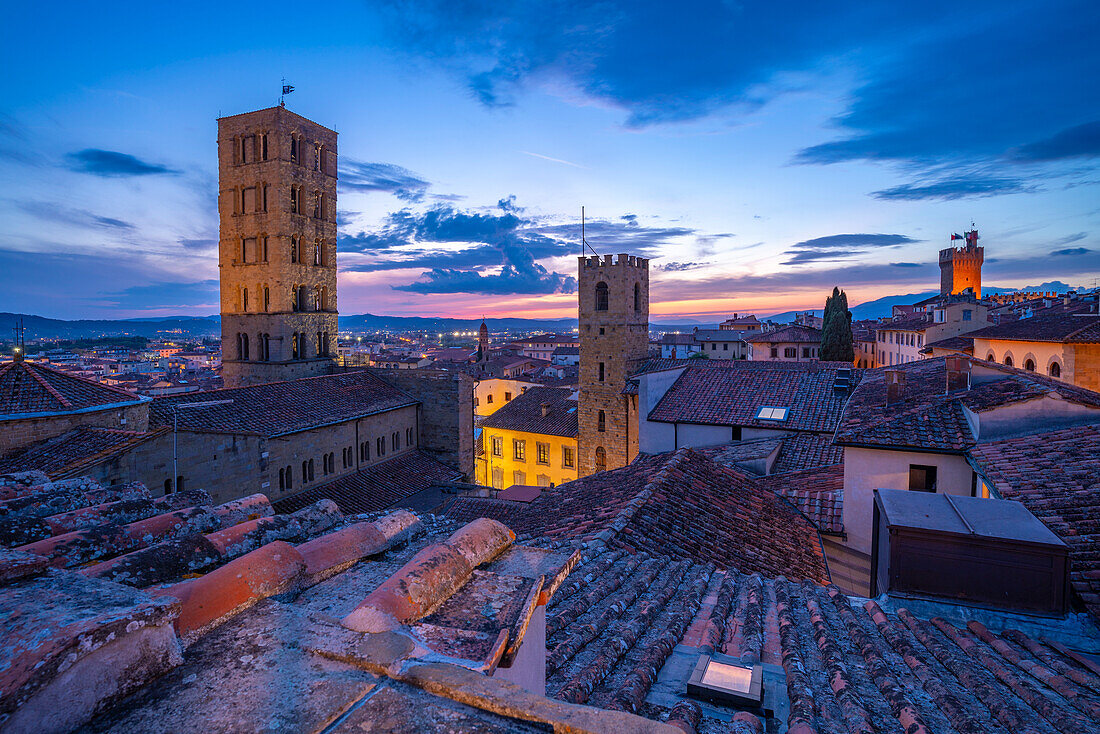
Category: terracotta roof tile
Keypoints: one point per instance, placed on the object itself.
(1063, 328)
(32, 387)
(72, 452)
(525, 413)
(796, 333)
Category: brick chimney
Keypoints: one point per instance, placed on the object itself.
(895, 387)
(545, 409)
(958, 372)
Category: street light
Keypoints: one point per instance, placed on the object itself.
(176, 407)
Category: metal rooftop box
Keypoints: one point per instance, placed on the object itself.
(967, 549)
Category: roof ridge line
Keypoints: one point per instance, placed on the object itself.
(49, 388)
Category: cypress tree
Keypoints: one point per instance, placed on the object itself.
(836, 334)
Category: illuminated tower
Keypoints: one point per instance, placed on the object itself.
(613, 311)
(961, 267)
(277, 249)
(483, 342)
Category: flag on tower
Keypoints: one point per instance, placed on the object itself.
(287, 89)
(957, 236)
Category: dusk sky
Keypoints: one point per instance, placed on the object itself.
(759, 152)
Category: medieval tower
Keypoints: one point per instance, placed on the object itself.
(961, 267)
(277, 249)
(613, 311)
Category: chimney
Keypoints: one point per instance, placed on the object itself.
(958, 372)
(545, 409)
(895, 387)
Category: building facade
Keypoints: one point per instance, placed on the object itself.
(961, 267)
(613, 312)
(277, 248)
(532, 441)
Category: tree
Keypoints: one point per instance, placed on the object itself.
(836, 334)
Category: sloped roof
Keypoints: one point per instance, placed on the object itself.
(1056, 475)
(378, 486)
(928, 417)
(1065, 328)
(733, 396)
(796, 333)
(818, 492)
(74, 451)
(276, 408)
(680, 504)
(33, 387)
(915, 323)
(524, 413)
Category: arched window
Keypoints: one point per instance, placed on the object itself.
(289, 477)
(601, 459)
(311, 470)
(305, 471)
(244, 347)
(320, 343)
(637, 297)
(267, 299)
(244, 299)
(294, 249)
(380, 446)
(325, 341)
(991, 357)
(324, 298)
(317, 252)
(294, 346)
(302, 353)
(168, 486)
(1055, 369)
(1029, 365)
(1008, 360)
(601, 296)
(263, 245)
(282, 479)
(303, 298)
(601, 422)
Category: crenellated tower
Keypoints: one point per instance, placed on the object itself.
(961, 267)
(613, 312)
(277, 248)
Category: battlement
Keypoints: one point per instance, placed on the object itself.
(624, 260)
(962, 254)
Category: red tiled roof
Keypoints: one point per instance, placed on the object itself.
(818, 492)
(733, 396)
(73, 452)
(1064, 328)
(916, 323)
(377, 487)
(679, 504)
(32, 387)
(524, 413)
(277, 408)
(796, 333)
(1056, 475)
(929, 417)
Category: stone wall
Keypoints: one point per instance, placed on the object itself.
(446, 416)
(20, 432)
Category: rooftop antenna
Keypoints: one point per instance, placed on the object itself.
(287, 89)
(584, 242)
(20, 346)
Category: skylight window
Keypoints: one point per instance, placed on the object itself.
(725, 680)
(772, 413)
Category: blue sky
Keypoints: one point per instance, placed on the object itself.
(760, 153)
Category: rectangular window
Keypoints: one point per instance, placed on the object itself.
(601, 371)
(542, 451)
(542, 480)
(475, 401)
(519, 450)
(519, 477)
(498, 446)
(294, 199)
(489, 399)
(790, 352)
(249, 255)
(922, 478)
(264, 202)
(775, 352)
(725, 347)
(967, 314)
(507, 396)
(248, 200)
(263, 147)
(248, 149)
(806, 352)
(567, 460)
(498, 479)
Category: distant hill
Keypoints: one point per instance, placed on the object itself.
(39, 327)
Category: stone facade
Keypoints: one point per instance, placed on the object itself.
(961, 267)
(446, 415)
(23, 431)
(277, 249)
(613, 311)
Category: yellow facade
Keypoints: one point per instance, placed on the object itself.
(1075, 363)
(492, 394)
(506, 462)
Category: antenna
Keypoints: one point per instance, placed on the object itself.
(584, 242)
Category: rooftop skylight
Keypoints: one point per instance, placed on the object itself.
(772, 413)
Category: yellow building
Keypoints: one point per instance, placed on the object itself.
(1065, 347)
(531, 441)
(493, 393)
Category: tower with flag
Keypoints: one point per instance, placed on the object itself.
(961, 267)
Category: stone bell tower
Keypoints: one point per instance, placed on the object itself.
(613, 311)
(277, 248)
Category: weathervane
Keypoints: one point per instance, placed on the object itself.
(584, 242)
(287, 89)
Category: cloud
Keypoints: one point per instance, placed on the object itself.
(508, 204)
(552, 160)
(528, 278)
(1079, 141)
(676, 267)
(955, 187)
(58, 214)
(1073, 251)
(163, 295)
(841, 246)
(199, 243)
(112, 164)
(387, 177)
(906, 265)
(1070, 239)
